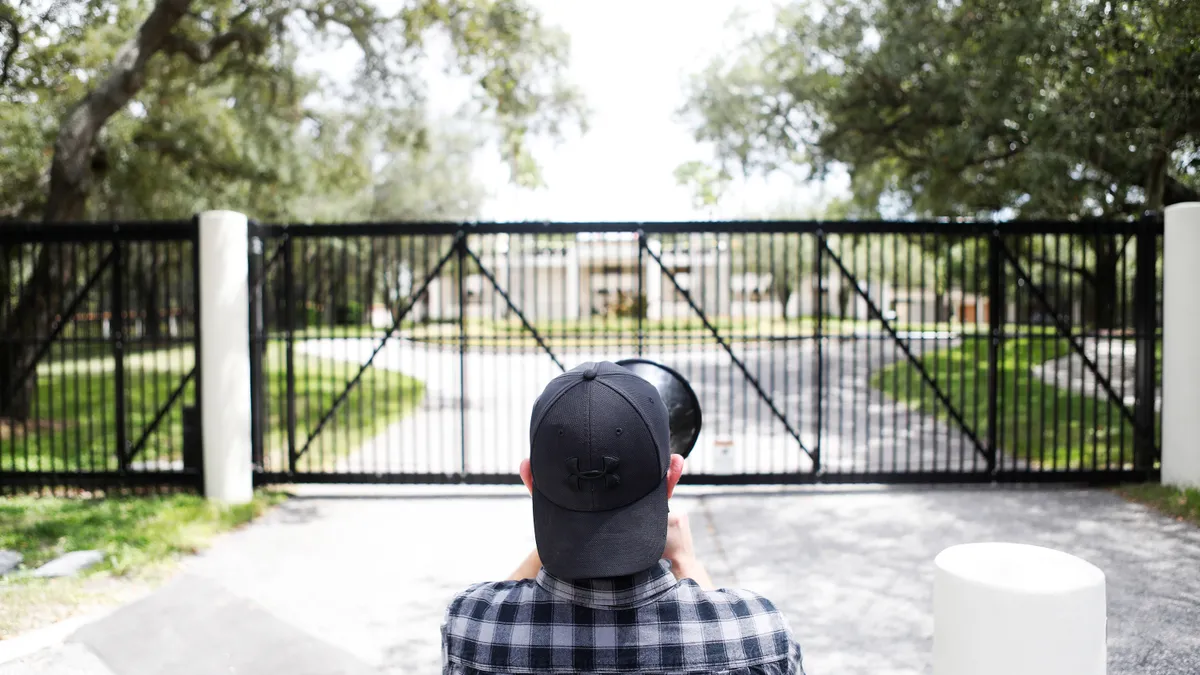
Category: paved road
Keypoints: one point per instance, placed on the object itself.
(862, 429)
(344, 582)
(1116, 362)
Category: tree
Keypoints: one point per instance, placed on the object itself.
(158, 108)
(1043, 109)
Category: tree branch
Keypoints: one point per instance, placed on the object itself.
(70, 169)
(11, 52)
(201, 53)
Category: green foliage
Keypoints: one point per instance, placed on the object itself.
(707, 183)
(132, 532)
(630, 305)
(1182, 504)
(1047, 109)
(350, 314)
(224, 115)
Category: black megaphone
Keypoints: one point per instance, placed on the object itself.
(683, 408)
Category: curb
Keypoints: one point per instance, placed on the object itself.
(43, 638)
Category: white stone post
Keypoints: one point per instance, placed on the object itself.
(653, 277)
(225, 357)
(1000, 609)
(1180, 355)
(572, 290)
(724, 278)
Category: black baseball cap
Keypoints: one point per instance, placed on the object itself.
(599, 450)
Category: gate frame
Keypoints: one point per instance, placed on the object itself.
(118, 235)
(1000, 259)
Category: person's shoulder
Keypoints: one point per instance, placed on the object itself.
(479, 618)
(736, 601)
(744, 615)
(474, 601)
(487, 591)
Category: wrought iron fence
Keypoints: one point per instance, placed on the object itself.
(98, 356)
(408, 352)
(831, 352)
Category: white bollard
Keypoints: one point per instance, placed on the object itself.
(1181, 359)
(1003, 609)
(225, 357)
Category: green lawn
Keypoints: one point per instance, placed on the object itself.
(140, 538)
(612, 331)
(380, 398)
(1179, 503)
(73, 426)
(132, 531)
(1039, 423)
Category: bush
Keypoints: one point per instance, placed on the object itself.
(630, 305)
(349, 314)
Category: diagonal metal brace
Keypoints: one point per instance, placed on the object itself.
(729, 350)
(528, 326)
(1065, 331)
(352, 382)
(133, 451)
(59, 325)
(916, 363)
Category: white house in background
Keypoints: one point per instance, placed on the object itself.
(593, 274)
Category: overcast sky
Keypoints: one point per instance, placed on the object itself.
(630, 58)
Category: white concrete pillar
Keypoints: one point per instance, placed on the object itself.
(724, 278)
(1000, 609)
(572, 291)
(1181, 359)
(434, 294)
(653, 276)
(225, 357)
(696, 273)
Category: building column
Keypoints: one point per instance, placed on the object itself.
(653, 276)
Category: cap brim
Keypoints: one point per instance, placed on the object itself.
(596, 544)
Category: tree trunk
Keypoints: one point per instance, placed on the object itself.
(844, 291)
(1104, 287)
(147, 306)
(71, 173)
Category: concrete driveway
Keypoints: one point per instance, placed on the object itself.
(353, 581)
(862, 429)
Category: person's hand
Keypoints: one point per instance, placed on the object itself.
(682, 552)
(679, 550)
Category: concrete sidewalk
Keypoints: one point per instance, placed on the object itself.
(345, 581)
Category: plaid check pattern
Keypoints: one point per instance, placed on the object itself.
(645, 623)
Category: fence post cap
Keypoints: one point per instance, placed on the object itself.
(1183, 206)
(1019, 568)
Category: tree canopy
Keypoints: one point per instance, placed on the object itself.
(1042, 108)
(151, 109)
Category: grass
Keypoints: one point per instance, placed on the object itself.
(610, 331)
(380, 398)
(140, 536)
(73, 425)
(133, 532)
(1182, 504)
(1039, 423)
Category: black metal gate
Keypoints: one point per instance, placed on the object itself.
(821, 352)
(98, 356)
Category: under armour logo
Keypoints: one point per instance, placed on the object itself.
(576, 477)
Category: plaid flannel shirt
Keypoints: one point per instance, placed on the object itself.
(645, 623)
